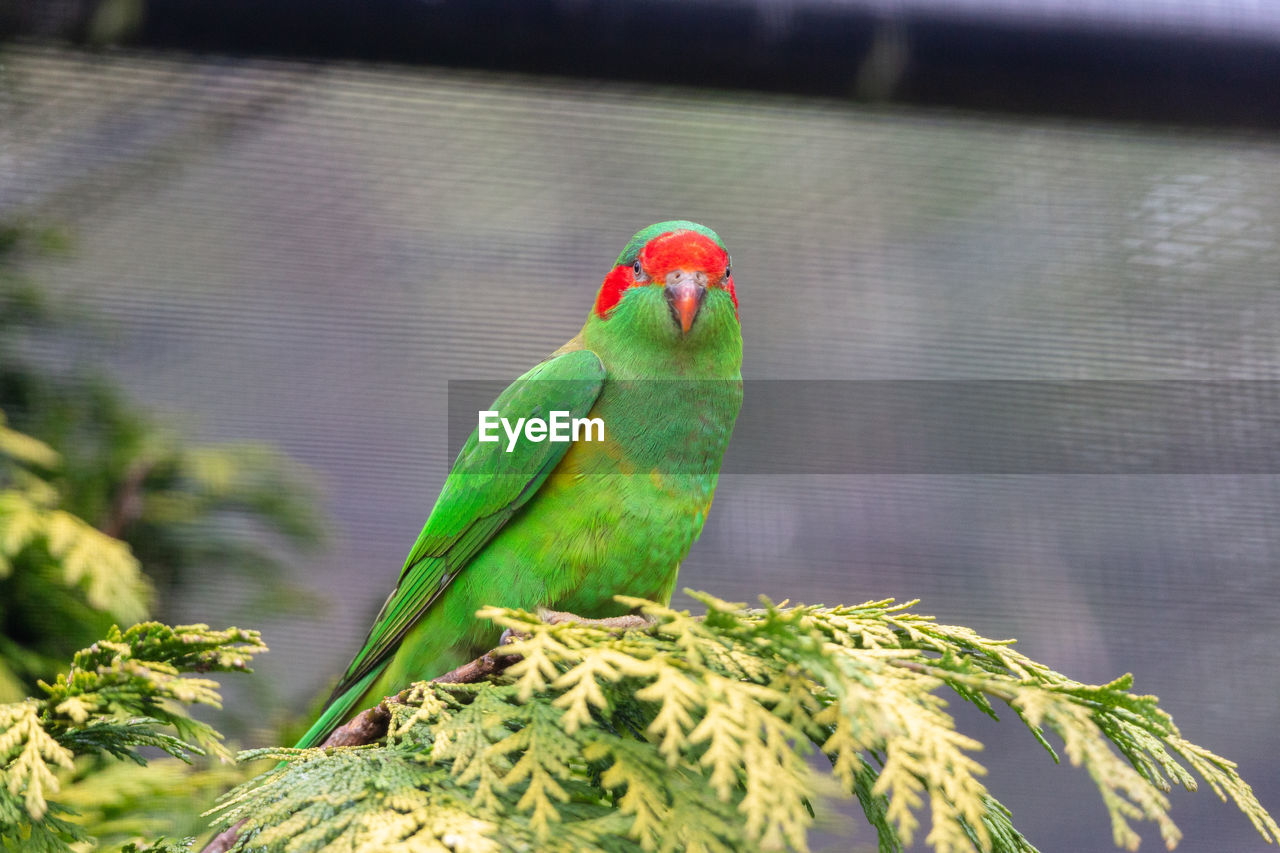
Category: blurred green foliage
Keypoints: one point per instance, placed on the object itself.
(118, 802)
(60, 576)
(181, 508)
(105, 515)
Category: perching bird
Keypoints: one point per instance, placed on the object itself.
(569, 525)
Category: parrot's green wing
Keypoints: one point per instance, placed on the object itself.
(486, 487)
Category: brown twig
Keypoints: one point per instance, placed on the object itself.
(222, 842)
(127, 504)
(371, 725)
(365, 727)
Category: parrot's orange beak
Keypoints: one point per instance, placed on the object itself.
(685, 292)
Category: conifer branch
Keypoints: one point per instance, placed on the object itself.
(121, 694)
(676, 732)
(371, 725)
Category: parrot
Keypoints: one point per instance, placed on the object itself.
(568, 525)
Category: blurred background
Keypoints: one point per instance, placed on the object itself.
(245, 248)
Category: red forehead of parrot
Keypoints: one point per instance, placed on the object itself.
(674, 251)
(683, 250)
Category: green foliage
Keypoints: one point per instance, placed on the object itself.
(84, 557)
(105, 518)
(54, 567)
(122, 694)
(158, 846)
(184, 510)
(693, 735)
(118, 802)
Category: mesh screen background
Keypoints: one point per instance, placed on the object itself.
(306, 254)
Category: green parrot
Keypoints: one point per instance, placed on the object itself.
(569, 525)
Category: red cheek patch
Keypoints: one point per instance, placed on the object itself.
(617, 281)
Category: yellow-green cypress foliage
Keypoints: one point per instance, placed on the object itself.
(694, 733)
(125, 692)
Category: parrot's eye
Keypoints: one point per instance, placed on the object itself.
(727, 273)
(637, 269)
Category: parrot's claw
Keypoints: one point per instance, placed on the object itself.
(613, 624)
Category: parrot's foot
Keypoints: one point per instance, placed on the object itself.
(614, 624)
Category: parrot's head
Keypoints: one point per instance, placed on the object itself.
(672, 284)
